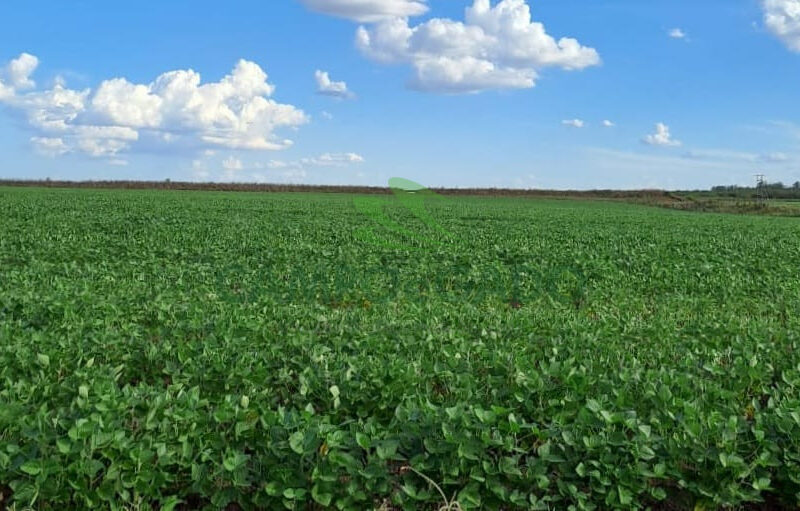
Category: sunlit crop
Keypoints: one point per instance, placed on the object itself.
(185, 350)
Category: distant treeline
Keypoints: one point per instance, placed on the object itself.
(258, 187)
(775, 190)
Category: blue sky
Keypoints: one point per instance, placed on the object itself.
(699, 93)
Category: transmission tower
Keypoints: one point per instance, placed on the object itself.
(762, 192)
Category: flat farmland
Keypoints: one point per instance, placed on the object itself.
(212, 350)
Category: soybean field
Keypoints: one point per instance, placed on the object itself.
(173, 350)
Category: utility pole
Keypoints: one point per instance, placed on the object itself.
(762, 192)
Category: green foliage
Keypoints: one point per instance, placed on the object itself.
(168, 350)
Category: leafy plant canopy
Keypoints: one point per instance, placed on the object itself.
(174, 350)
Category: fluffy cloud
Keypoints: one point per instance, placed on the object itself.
(120, 102)
(496, 47)
(662, 137)
(782, 18)
(101, 147)
(677, 33)
(175, 109)
(608, 124)
(327, 87)
(49, 146)
(5, 91)
(573, 123)
(368, 11)
(19, 71)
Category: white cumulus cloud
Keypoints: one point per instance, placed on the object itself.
(495, 47)
(573, 123)
(608, 124)
(677, 33)
(49, 146)
(5, 91)
(368, 11)
(101, 147)
(662, 137)
(782, 18)
(328, 87)
(175, 109)
(19, 71)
